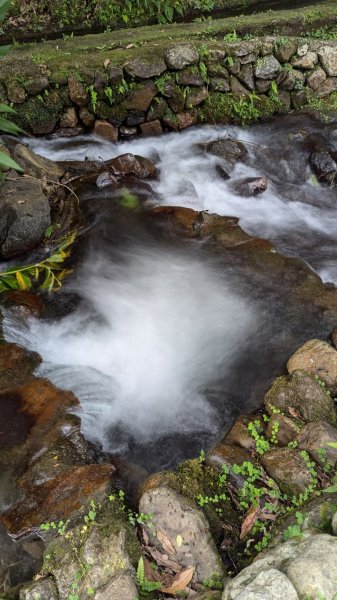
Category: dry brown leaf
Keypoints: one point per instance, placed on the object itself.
(150, 573)
(106, 62)
(249, 521)
(293, 412)
(165, 542)
(180, 581)
(163, 560)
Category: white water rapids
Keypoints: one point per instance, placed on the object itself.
(157, 325)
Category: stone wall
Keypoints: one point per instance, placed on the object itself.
(178, 85)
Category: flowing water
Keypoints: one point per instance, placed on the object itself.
(166, 343)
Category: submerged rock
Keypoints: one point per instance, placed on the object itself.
(129, 164)
(186, 530)
(231, 151)
(324, 166)
(250, 186)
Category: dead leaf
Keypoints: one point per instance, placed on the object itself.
(180, 581)
(129, 46)
(293, 412)
(163, 560)
(249, 521)
(106, 62)
(150, 573)
(39, 576)
(165, 542)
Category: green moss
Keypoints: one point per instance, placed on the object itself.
(113, 114)
(38, 112)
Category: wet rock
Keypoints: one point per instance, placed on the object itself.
(237, 88)
(301, 568)
(328, 58)
(23, 304)
(24, 216)
(19, 560)
(190, 77)
(315, 437)
(77, 92)
(34, 164)
(293, 79)
(288, 468)
(250, 186)
(181, 55)
(229, 150)
(239, 434)
(327, 87)
(129, 164)
(285, 49)
(69, 118)
(194, 98)
(227, 454)
(186, 529)
(151, 128)
(316, 78)
(324, 166)
(127, 133)
(144, 68)
(135, 117)
(16, 365)
(44, 588)
(106, 179)
(283, 429)
(316, 357)
(61, 498)
(16, 92)
(157, 109)
(308, 61)
(267, 67)
(106, 130)
(141, 98)
(109, 573)
(301, 393)
(36, 85)
(87, 117)
(219, 84)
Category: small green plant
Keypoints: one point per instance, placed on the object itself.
(109, 94)
(294, 531)
(323, 385)
(123, 88)
(261, 444)
(203, 71)
(231, 37)
(202, 456)
(93, 97)
(144, 585)
(274, 431)
(214, 582)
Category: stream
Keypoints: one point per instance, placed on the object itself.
(164, 341)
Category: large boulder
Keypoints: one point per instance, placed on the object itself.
(296, 569)
(24, 216)
(185, 527)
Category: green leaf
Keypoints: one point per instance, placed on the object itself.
(23, 281)
(7, 162)
(4, 7)
(4, 108)
(10, 281)
(9, 127)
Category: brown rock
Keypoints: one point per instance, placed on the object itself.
(293, 78)
(237, 88)
(302, 393)
(151, 128)
(106, 130)
(144, 68)
(77, 92)
(288, 468)
(23, 303)
(36, 85)
(130, 164)
(308, 61)
(187, 118)
(157, 109)
(314, 438)
(16, 365)
(316, 78)
(194, 98)
(316, 357)
(87, 118)
(333, 337)
(283, 429)
(228, 455)
(69, 118)
(285, 49)
(190, 78)
(327, 87)
(246, 76)
(141, 98)
(176, 99)
(61, 498)
(240, 435)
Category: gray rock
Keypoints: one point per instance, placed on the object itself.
(314, 438)
(284, 49)
(219, 84)
(77, 92)
(302, 49)
(327, 87)
(229, 150)
(240, 50)
(250, 186)
(303, 393)
(196, 97)
(237, 88)
(288, 468)
(190, 78)
(246, 76)
(36, 85)
(308, 566)
(316, 78)
(334, 523)
(267, 67)
(293, 79)
(144, 68)
(316, 357)
(185, 527)
(19, 560)
(324, 167)
(24, 216)
(328, 58)
(181, 55)
(308, 61)
(43, 589)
